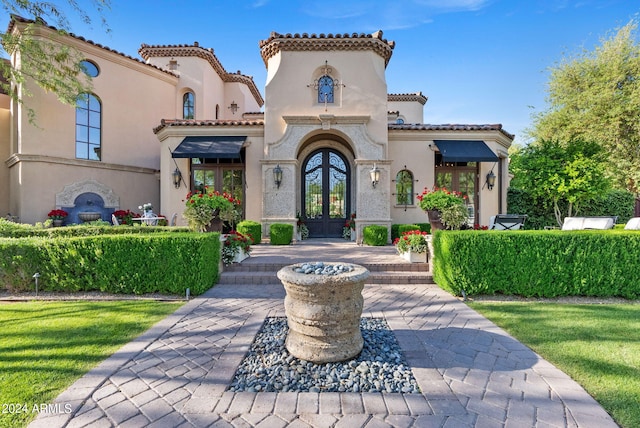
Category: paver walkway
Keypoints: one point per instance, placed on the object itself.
(471, 373)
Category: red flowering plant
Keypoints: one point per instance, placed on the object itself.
(412, 240)
(57, 214)
(349, 226)
(451, 204)
(232, 244)
(202, 207)
(125, 216)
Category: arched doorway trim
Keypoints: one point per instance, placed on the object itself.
(325, 192)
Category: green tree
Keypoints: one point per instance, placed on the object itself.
(595, 96)
(553, 173)
(35, 47)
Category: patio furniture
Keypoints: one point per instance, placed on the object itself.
(583, 223)
(114, 220)
(633, 224)
(174, 219)
(507, 221)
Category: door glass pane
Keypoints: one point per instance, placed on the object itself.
(313, 187)
(444, 179)
(202, 178)
(232, 183)
(337, 186)
(466, 186)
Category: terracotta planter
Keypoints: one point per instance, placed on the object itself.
(323, 314)
(216, 223)
(435, 219)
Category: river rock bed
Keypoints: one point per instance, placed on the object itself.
(321, 268)
(380, 367)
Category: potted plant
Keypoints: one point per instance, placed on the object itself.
(413, 246)
(444, 207)
(57, 216)
(236, 247)
(201, 208)
(349, 229)
(303, 230)
(125, 216)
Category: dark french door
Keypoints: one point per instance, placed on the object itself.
(326, 192)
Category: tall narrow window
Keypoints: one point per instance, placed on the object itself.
(325, 89)
(188, 106)
(404, 187)
(88, 127)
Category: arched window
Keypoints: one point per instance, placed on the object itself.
(89, 68)
(217, 111)
(188, 106)
(325, 89)
(88, 127)
(404, 188)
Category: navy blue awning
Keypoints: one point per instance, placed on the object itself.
(210, 147)
(465, 151)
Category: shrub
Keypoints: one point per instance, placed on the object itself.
(167, 263)
(375, 235)
(281, 233)
(539, 263)
(251, 228)
(398, 229)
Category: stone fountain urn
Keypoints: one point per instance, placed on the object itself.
(323, 305)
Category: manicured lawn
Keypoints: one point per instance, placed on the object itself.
(46, 346)
(598, 345)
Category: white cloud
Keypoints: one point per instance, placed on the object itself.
(387, 14)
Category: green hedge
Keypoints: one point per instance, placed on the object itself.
(398, 229)
(538, 263)
(251, 228)
(19, 230)
(167, 263)
(374, 235)
(281, 233)
(615, 202)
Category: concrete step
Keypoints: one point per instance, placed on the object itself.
(385, 273)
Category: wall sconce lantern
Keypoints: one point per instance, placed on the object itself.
(233, 107)
(491, 180)
(277, 176)
(375, 175)
(177, 178)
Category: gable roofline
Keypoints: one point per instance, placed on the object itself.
(195, 50)
(408, 97)
(16, 20)
(330, 42)
(168, 123)
(450, 127)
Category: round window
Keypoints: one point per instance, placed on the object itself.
(89, 68)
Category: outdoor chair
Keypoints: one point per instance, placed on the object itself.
(507, 221)
(174, 219)
(633, 224)
(583, 223)
(114, 220)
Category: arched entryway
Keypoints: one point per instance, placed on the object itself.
(326, 193)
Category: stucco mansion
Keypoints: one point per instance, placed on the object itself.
(323, 140)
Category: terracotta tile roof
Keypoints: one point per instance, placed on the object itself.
(326, 42)
(448, 127)
(165, 123)
(15, 19)
(195, 50)
(408, 97)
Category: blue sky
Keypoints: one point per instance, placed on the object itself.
(478, 61)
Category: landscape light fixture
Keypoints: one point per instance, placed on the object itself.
(277, 176)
